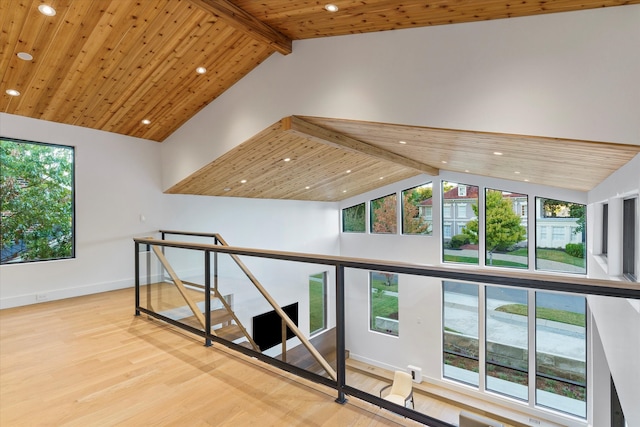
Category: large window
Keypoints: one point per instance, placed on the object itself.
(37, 201)
(505, 229)
(629, 239)
(460, 332)
(384, 218)
(561, 352)
(353, 219)
(463, 199)
(558, 329)
(417, 210)
(383, 288)
(563, 249)
(317, 303)
(507, 354)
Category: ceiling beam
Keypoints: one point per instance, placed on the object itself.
(247, 23)
(303, 128)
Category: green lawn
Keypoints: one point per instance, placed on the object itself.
(562, 316)
(316, 303)
(552, 255)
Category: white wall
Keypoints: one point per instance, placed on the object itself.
(618, 320)
(117, 180)
(553, 75)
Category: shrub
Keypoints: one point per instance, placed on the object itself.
(575, 249)
(459, 240)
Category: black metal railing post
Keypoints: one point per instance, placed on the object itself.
(341, 364)
(136, 247)
(207, 301)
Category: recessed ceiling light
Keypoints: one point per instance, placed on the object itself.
(517, 172)
(12, 92)
(244, 181)
(382, 177)
(46, 10)
(444, 161)
(402, 142)
(466, 170)
(331, 7)
(201, 70)
(349, 171)
(307, 187)
(145, 121)
(25, 56)
(526, 180)
(497, 153)
(344, 191)
(227, 189)
(286, 159)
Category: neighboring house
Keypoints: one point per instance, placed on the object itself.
(457, 208)
(555, 231)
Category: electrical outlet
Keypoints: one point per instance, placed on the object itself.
(41, 297)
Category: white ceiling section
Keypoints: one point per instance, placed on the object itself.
(565, 75)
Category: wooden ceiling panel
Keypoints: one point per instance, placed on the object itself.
(304, 19)
(574, 164)
(315, 171)
(321, 170)
(108, 64)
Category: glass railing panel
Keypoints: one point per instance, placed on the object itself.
(525, 347)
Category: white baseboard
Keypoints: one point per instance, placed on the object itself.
(58, 294)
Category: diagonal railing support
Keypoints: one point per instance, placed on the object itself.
(305, 342)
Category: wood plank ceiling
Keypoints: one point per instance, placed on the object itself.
(314, 158)
(110, 64)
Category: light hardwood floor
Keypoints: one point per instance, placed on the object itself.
(89, 361)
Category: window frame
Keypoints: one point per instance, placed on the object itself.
(72, 199)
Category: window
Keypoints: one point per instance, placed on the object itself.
(446, 210)
(353, 219)
(37, 196)
(562, 250)
(561, 352)
(605, 228)
(629, 239)
(384, 219)
(461, 247)
(559, 333)
(383, 303)
(460, 332)
(416, 204)
(462, 210)
(317, 303)
(505, 232)
(507, 355)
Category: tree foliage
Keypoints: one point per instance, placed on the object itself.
(36, 199)
(502, 224)
(412, 222)
(384, 219)
(353, 219)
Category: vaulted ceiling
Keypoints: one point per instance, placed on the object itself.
(129, 67)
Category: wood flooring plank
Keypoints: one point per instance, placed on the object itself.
(89, 361)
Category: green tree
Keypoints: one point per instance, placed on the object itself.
(384, 218)
(36, 199)
(502, 224)
(412, 222)
(353, 218)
